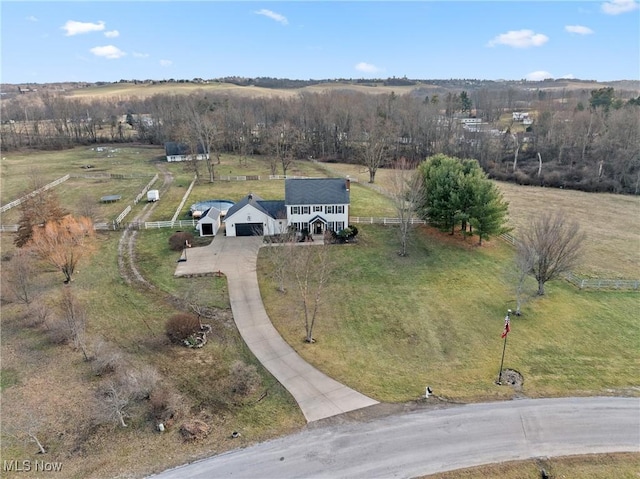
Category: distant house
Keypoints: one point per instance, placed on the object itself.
(180, 152)
(520, 116)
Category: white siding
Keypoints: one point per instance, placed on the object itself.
(249, 214)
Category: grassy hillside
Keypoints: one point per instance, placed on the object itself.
(387, 327)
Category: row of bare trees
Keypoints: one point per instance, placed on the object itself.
(573, 142)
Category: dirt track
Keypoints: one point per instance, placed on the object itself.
(126, 245)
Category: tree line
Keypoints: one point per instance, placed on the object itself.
(578, 139)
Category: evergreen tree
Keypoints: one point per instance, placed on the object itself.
(465, 102)
(489, 211)
(442, 178)
(459, 192)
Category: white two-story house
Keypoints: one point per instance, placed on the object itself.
(314, 204)
(317, 204)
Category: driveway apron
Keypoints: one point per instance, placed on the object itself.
(317, 395)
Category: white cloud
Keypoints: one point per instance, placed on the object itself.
(538, 76)
(108, 51)
(140, 55)
(366, 67)
(616, 7)
(76, 28)
(166, 63)
(31, 18)
(579, 29)
(273, 16)
(112, 34)
(520, 39)
(568, 76)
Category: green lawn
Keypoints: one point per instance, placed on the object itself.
(388, 325)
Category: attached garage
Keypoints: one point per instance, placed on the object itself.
(253, 216)
(249, 229)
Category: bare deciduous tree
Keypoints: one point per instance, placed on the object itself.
(551, 244)
(113, 403)
(516, 274)
(117, 396)
(406, 192)
(63, 243)
(39, 207)
(20, 276)
(279, 253)
(74, 317)
(27, 427)
(311, 269)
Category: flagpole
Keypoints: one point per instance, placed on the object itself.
(507, 320)
(504, 347)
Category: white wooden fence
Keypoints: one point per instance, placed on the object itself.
(145, 189)
(383, 221)
(165, 224)
(596, 283)
(121, 216)
(19, 201)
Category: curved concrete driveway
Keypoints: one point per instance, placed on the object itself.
(432, 441)
(317, 394)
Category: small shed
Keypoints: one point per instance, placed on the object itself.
(153, 195)
(110, 198)
(209, 222)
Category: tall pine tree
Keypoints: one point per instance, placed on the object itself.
(459, 192)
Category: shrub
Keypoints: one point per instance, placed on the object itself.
(180, 326)
(178, 240)
(165, 404)
(58, 331)
(106, 357)
(244, 378)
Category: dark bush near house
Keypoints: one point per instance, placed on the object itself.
(180, 326)
(179, 240)
(347, 235)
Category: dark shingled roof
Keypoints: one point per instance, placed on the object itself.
(250, 199)
(173, 148)
(275, 208)
(316, 191)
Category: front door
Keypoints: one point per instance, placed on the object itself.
(317, 228)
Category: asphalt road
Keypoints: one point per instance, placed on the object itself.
(430, 441)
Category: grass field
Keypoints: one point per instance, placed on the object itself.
(391, 325)
(127, 90)
(612, 248)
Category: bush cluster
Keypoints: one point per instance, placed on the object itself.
(181, 326)
(178, 240)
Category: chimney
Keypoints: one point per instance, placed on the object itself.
(347, 183)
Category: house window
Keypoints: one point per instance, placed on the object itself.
(329, 209)
(331, 226)
(339, 208)
(306, 210)
(339, 225)
(295, 210)
(317, 209)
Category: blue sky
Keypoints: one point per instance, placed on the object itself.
(53, 41)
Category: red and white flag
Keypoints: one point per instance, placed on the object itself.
(507, 327)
